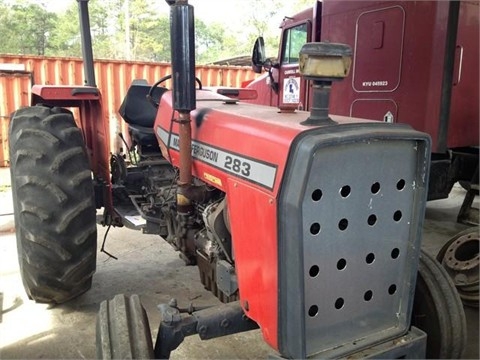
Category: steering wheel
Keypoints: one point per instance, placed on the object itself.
(155, 85)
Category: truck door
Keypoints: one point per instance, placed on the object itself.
(292, 88)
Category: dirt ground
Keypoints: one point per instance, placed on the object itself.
(149, 267)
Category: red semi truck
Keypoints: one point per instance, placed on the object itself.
(415, 62)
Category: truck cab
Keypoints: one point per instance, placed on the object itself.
(281, 85)
(414, 62)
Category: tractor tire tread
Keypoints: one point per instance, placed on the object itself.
(439, 291)
(123, 330)
(54, 206)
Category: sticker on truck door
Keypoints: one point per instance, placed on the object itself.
(291, 90)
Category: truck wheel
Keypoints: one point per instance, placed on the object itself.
(53, 202)
(459, 257)
(438, 310)
(443, 250)
(123, 331)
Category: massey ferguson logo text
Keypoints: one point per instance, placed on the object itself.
(198, 151)
(254, 170)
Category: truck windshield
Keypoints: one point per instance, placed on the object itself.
(294, 38)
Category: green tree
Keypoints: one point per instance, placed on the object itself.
(26, 28)
(66, 39)
(259, 24)
(7, 45)
(299, 5)
(134, 29)
(209, 41)
(144, 25)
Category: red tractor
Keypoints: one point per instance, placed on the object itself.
(298, 221)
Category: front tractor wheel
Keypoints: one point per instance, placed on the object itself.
(123, 330)
(53, 202)
(438, 310)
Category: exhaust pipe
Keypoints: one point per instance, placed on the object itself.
(182, 40)
(86, 37)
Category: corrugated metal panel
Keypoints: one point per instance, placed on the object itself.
(113, 78)
(14, 93)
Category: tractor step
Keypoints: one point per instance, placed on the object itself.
(131, 218)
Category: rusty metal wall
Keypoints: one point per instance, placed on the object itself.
(14, 93)
(113, 78)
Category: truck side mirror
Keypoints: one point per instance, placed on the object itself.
(258, 55)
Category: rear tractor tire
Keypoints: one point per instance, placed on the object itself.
(54, 205)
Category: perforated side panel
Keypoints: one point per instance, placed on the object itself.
(357, 212)
(360, 211)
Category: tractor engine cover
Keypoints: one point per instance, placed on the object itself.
(325, 221)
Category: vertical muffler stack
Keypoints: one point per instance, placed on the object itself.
(323, 63)
(86, 43)
(182, 40)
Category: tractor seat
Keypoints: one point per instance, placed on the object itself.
(143, 135)
(136, 110)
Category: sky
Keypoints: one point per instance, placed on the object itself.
(227, 12)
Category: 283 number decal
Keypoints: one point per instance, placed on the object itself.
(237, 166)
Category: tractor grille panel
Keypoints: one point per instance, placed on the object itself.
(357, 212)
(350, 217)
